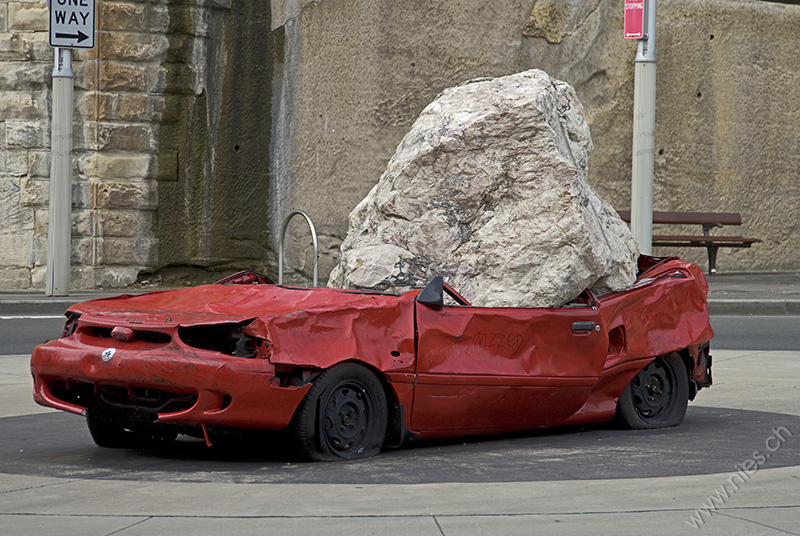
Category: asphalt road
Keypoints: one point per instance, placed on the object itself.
(756, 332)
(20, 334)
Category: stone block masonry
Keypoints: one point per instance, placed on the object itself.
(120, 90)
(24, 137)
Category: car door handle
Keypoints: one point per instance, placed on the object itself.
(587, 325)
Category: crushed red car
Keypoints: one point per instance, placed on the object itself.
(346, 373)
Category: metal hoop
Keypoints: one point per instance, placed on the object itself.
(313, 237)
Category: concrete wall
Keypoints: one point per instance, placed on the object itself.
(727, 101)
(199, 124)
(213, 210)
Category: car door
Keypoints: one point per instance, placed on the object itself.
(485, 370)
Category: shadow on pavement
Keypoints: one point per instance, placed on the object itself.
(710, 440)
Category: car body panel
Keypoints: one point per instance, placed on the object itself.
(664, 311)
(499, 368)
(374, 329)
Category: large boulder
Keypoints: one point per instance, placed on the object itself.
(489, 190)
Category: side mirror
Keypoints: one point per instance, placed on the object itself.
(433, 294)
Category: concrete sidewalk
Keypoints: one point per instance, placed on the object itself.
(730, 294)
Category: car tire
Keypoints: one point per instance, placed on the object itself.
(343, 416)
(106, 433)
(109, 434)
(657, 396)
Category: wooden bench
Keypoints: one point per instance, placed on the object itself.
(708, 220)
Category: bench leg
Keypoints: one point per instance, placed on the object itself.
(712, 259)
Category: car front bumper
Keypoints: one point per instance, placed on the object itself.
(173, 384)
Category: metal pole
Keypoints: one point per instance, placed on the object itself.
(60, 224)
(644, 120)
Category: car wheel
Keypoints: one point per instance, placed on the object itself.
(343, 416)
(110, 434)
(657, 396)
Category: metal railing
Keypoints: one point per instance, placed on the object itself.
(313, 237)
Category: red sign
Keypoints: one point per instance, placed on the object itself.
(634, 19)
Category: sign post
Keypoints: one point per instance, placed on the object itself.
(71, 26)
(640, 23)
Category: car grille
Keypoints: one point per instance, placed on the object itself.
(146, 398)
(142, 399)
(225, 338)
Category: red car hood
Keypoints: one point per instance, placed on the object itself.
(302, 324)
(216, 303)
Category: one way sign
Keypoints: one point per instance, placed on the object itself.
(72, 23)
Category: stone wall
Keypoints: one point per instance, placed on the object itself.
(148, 66)
(24, 139)
(199, 124)
(118, 97)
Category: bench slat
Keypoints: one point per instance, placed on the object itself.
(690, 218)
(708, 220)
(701, 240)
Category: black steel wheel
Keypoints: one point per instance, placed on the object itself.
(343, 416)
(108, 433)
(657, 396)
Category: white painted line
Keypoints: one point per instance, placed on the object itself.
(27, 317)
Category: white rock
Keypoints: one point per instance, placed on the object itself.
(489, 190)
